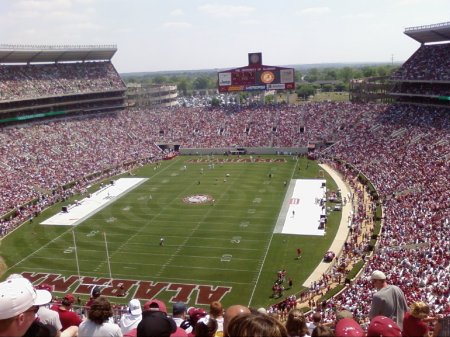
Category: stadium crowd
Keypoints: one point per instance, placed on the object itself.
(401, 149)
(420, 89)
(19, 82)
(37, 160)
(404, 156)
(429, 62)
(27, 311)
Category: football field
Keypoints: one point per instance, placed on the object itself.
(195, 229)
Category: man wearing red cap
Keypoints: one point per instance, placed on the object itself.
(155, 321)
(66, 315)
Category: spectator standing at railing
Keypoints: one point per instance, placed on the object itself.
(388, 301)
(442, 327)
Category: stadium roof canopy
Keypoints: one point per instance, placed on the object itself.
(438, 32)
(35, 54)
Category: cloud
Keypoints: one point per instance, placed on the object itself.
(177, 12)
(42, 5)
(250, 22)
(51, 20)
(314, 11)
(176, 25)
(409, 2)
(355, 16)
(68, 11)
(226, 11)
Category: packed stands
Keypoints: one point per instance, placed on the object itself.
(425, 77)
(46, 157)
(406, 158)
(86, 82)
(428, 63)
(401, 149)
(24, 82)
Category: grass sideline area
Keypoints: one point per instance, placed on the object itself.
(238, 225)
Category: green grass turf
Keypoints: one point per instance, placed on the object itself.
(240, 223)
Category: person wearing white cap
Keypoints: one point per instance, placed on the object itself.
(46, 315)
(389, 300)
(19, 303)
(131, 319)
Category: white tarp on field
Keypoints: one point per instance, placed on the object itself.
(83, 209)
(304, 208)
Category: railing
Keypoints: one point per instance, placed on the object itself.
(436, 25)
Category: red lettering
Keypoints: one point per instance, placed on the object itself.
(148, 290)
(206, 294)
(60, 283)
(294, 201)
(119, 288)
(33, 277)
(88, 284)
(184, 292)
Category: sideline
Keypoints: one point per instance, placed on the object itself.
(343, 230)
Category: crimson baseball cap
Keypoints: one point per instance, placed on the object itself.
(155, 305)
(347, 327)
(383, 326)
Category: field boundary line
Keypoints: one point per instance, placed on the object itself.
(263, 260)
(126, 242)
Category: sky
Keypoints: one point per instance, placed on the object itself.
(167, 35)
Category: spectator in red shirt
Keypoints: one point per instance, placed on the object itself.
(413, 322)
(66, 315)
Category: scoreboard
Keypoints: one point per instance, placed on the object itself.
(256, 76)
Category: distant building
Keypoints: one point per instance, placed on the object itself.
(151, 95)
(372, 89)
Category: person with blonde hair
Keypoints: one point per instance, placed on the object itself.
(216, 312)
(255, 325)
(296, 324)
(414, 324)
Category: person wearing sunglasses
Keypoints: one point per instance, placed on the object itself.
(19, 304)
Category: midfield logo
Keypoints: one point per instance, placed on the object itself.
(143, 290)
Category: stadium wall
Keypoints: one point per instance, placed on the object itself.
(248, 150)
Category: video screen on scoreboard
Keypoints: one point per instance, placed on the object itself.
(256, 78)
(244, 77)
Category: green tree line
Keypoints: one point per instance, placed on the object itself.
(308, 80)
